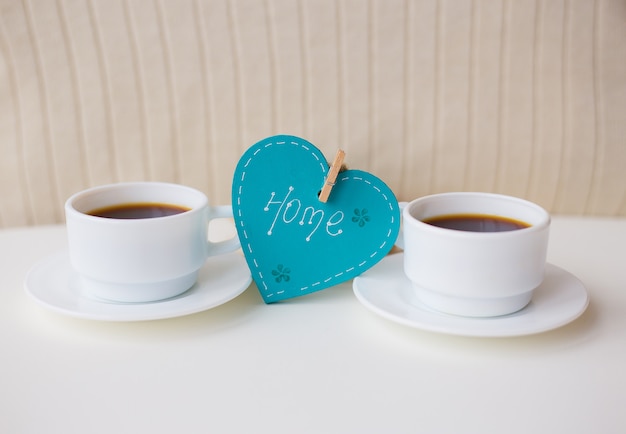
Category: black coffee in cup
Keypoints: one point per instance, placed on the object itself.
(138, 211)
(476, 223)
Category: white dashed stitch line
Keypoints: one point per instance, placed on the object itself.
(323, 169)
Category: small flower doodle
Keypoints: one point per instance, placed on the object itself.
(360, 217)
(281, 273)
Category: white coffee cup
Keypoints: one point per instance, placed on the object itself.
(476, 274)
(141, 259)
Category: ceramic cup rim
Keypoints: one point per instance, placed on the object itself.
(76, 204)
(540, 221)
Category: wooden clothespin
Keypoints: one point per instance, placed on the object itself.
(332, 176)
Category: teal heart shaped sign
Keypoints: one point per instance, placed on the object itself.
(295, 244)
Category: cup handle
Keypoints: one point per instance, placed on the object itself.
(400, 240)
(226, 246)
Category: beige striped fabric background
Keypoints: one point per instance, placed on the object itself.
(524, 97)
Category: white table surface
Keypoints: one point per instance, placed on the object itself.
(322, 363)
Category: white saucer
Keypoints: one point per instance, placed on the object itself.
(385, 290)
(51, 283)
